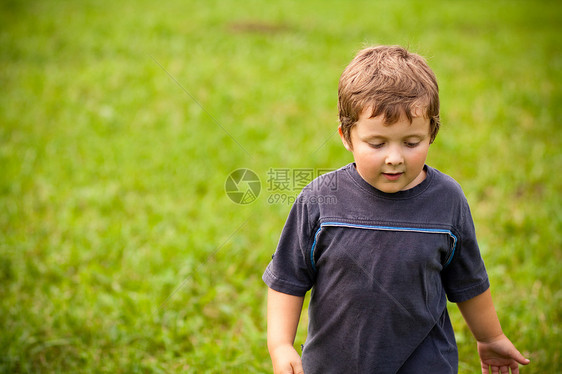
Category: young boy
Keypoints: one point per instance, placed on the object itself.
(382, 257)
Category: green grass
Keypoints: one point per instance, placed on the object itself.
(121, 120)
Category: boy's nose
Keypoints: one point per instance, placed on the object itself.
(394, 156)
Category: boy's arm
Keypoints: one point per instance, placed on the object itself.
(283, 313)
(495, 349)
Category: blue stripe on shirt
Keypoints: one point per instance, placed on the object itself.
(384, 228)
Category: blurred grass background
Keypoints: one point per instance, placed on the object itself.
(121, 120)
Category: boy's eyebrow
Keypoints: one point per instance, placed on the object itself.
(417, 135)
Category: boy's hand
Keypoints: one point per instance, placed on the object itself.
(500, 355)
(286, 360)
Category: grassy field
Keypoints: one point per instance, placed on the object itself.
(120, 122)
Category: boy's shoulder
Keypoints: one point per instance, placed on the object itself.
(444, 183)
(342, 195)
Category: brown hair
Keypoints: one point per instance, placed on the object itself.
(391, 81)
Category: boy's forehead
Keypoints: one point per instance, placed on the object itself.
(416, 110)
(373, 127)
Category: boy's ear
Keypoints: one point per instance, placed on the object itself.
(346, 144)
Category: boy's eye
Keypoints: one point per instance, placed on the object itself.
(412, 144)
(376, 146)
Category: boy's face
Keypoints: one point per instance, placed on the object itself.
(390, 157)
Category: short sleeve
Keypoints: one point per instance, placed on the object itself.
(465, 276)
(290, 270)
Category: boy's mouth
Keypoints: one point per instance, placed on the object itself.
(392, 176)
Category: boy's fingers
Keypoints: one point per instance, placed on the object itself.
(297, 368)
(521, 360)
(517, 356)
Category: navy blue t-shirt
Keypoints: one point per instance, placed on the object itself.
(380, 266)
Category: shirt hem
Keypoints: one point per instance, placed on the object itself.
(469, 293)
(282, 286)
